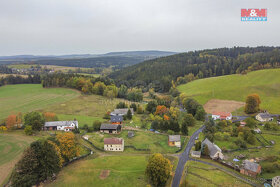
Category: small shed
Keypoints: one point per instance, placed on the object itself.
(174, 140)
(130, 134)
(196, 154)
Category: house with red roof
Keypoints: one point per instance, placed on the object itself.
(113, 144)
(222, 115)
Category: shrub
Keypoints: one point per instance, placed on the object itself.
(96, 125)
(28, 130)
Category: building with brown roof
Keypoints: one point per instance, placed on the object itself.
(113, 144)
(251, 169)
(222, 115)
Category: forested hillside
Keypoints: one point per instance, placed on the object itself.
(158, 73)
(116, 60)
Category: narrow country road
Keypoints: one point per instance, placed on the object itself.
(184, 157)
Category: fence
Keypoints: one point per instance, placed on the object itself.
(93, 145)
(131, 146)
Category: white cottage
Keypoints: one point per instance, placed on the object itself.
(61, 125)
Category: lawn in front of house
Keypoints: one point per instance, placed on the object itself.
(123, 171)
(157, 143)
(199, 174)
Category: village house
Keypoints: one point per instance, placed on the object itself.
(222, 115)
(113, 144)
(110, 128)
(174, 140)
(196, 154)
(214, 151)
(264, 117)
(121, 111)
(116, 120)
(251, 169)
(61, 125)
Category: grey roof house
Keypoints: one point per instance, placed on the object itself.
(121, 111)
(116, 119)
(214, 151)
(110, 128)
(61, 125)
(264, 117)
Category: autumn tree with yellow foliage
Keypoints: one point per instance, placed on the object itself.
(158, 169)
(68, 145)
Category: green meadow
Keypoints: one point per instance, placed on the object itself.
(11, 147)
(29, 97)
(204, 175)
(236, 87)
(123, 171)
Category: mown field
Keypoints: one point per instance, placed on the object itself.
(29, 97)
(266, 83)
(204, 175)
(11, 147)
(123, 171)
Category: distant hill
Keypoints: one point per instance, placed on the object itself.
(266, 83)
(158, 73)
(117, 60)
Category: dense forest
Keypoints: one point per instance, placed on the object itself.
(159, 73)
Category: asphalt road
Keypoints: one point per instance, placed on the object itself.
(184, 157)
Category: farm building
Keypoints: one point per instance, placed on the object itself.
(196, 154)
(121, 111)
(222, 115)
(250, 168)
(174, 140)
(110, 128)
(61, 125)
(214, 151)
(113, 144)
(264, 117)
(116, 120)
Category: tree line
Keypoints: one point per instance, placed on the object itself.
(91, 85)
(11, 79)
(158, 73)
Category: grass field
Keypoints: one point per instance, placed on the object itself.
(157, 143)
(81, 119)
(124, 171)
(29, 97)
(266, 83)
(11, 147)
(204, 175)
(85, 105)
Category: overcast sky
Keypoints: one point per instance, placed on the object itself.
(45, 27)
